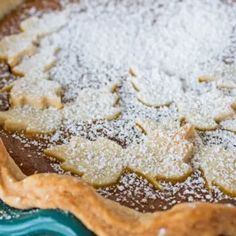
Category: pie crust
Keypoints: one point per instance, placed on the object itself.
(8, 5)
(103, 216)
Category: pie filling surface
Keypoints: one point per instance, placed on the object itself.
(135, 97)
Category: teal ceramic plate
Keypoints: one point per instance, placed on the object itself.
(14, 222)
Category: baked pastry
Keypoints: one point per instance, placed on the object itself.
(8, 5)
(122, 113)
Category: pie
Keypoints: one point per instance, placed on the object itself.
(121, 112)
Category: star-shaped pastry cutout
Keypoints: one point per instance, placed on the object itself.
(93, 104)
(205, 110)
(163, 155)
(218, 165)
(32, 121)
(155, 88)
(37, 92)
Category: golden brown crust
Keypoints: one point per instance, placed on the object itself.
(8, 5)
(104, 217)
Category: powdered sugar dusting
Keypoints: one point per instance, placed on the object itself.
(180, 39)
(104, 39)
(135, 191)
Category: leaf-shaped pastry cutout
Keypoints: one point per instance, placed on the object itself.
(32, 121)
(93, 104)
(42, 61)
(165, 152)
(220, 83)
(224, 77)
(229, 124)
(37, 92)
(205, 110)
(14, 47)
(219, 166)
(44, 25)
(156, 88)
(100, 162)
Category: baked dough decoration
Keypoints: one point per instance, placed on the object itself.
(45, 25)
(219, 166)
(157, 92)
(52, 191)
(42, 61)
(38, 93)
(13, 48)
(32, 121)
(205, 110)
(41, 93)
(224, 77)
(166, 151)
(34, 88)
(93, 104)
(221, 83)
(100, 162)
(163, 155)
(229, 124)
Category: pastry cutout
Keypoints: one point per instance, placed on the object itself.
(42, 61)
(165, 152)
(157, 92)
(13, 48)
(224, 77)
(93, 104)
(32, 121)
(205, 110)
(105, 217)
(47, 24)
(220, 83)
(100, 162)
(36, 92)
(229, 124)
(163, 155)
(219, 167)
